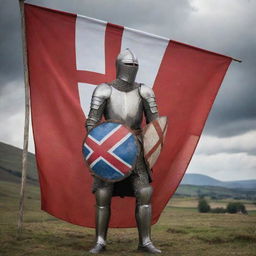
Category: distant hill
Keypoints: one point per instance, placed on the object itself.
(215, 192)
(204, 180)
(10, 164)
(10, 170)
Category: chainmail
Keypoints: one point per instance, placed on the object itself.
(139, 178)
(123, 86)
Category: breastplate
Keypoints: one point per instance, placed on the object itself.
(125, 107)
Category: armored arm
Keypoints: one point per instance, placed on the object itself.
(99, 98)
(149, 103)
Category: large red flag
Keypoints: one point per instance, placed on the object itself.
(68, 56)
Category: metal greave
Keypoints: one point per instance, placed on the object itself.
(103, 212)
(143, 215)
(102, 220)
(143, 219)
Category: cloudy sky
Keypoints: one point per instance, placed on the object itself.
(227, 149)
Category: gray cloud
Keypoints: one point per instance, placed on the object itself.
(221, 26)
(229, 128)
(224, 28)
(10, 43)
(225, 166)
(245, 143)
(132, 13)
(234, 110)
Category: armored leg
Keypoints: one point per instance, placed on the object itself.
(103, 200)
(143, 214)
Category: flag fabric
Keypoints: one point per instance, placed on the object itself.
(68, 56)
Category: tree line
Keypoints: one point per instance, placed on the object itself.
(232, 207)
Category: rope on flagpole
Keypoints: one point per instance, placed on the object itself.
(26, 124)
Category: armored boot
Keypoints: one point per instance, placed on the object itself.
(103, 199)
(143, 214)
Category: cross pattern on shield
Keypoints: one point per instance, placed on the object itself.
(110, 150)
(153, 139)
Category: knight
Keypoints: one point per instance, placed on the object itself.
(126, 101)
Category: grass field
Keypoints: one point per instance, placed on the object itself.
(181, 230)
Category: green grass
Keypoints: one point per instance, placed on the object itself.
(181, 230)
(192, 202)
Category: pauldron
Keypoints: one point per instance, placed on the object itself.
(100, 94)
(149, 103)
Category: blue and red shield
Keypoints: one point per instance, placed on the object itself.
(110, 150)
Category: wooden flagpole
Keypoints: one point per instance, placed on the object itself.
(26, 124)
(237, 60)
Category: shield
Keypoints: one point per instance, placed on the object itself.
(110, 150)
(153, 139)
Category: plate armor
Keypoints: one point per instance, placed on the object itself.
(124, 100)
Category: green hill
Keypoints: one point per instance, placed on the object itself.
(10, 170)
(10, 164)
(204, 180)
(215, 192)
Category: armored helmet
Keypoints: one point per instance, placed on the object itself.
(127, 66)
